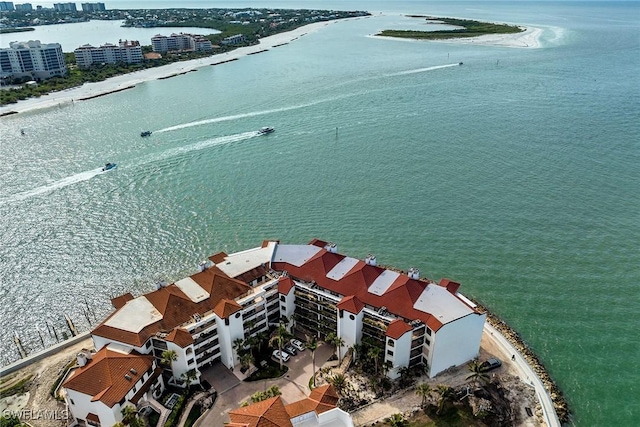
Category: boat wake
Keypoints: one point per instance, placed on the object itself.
(422, 70)
(64, 182)
(177, 151)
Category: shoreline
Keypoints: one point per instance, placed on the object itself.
(554, 404)
(126, 81)
(528, 39)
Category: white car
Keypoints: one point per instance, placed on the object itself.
(297, 344)
(284, 356)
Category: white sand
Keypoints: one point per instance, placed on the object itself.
(529, 38)
(127, 80)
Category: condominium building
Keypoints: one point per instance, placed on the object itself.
(92, 7)
(238, 38)
(6, 5)
(235, 296)
(65, 7)
(25, 7)
(182, 41)
(32, 59)
(109, 380)
(126, 51)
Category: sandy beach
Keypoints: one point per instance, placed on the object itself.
(526, 39)
(125, 81)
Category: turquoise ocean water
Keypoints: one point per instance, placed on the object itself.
(515, 174)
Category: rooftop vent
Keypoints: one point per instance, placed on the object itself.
(370, 260)
(414, 273)
(332, 247)
(127, 377)
(133, 371)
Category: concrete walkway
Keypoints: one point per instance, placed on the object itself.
(294, 386)
(526, 373)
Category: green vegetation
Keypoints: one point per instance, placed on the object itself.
(10, 421)
(21, 386)
(469, 29)
(194, 414)
(174, 416)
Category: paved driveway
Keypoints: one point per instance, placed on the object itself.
(294, 385)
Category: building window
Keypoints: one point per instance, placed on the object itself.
(427, 341)
(226, 321)
(390, 352)
(72, 402)
(283, 298)
(189, 350)
(391, 343)
(191, 361)
(428, 331)
(148, 344)
(237, 315)
(352, 317)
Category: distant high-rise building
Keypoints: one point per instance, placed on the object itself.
(25, 7)
(65, 7)
(126, 51)
(92, 7)
(6, 5)
(32, 59)
(182, 41)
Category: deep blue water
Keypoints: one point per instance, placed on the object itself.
(515, 174)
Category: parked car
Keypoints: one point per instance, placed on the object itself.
(297, 344)
(289, 349)
(284, 356)
(490, 364)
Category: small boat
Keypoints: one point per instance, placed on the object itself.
(145, 133)
(459, 63)
(266, 130)
(108, 167)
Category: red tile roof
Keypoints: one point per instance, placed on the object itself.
(399, 299)
(120, 301)
(398, 328)
(320, 400)
(218, 258)
(226, 308)
(104, 379)
(450, 285)
(177, 308)
(351, 304)
(284, 285)
(180, 337)
(93, 417)
(268, 413)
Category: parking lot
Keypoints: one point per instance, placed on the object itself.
(232, 392)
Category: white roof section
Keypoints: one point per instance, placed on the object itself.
(383, 282)
(241, 262)
(135, 315)
(192, 289)
(295, 254)
(342, 268)
(440, 303)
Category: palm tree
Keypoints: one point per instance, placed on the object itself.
(129, 413)
(336, 341)
(339, 382)
(478, 373)
(246, 360)
(312, 344)
(424, 391)
(281, 337)
(167, 357)
(397, 420)
(387, 366)
(374, 353)
(445, 393)
(190, 376)
(238, 346)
